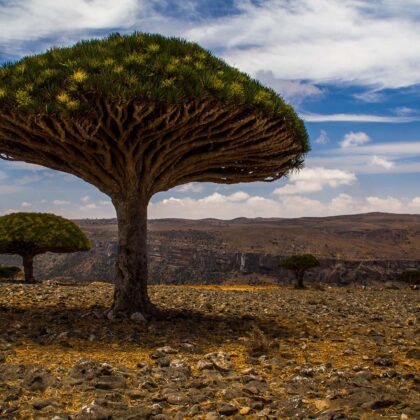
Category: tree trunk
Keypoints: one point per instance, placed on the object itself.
(130, 289)
(299, 279)
(28, 267)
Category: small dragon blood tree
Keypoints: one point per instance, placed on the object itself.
(298, 265)
(31, 234)
(135, 115)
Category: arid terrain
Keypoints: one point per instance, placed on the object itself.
(358, 248)
(245, 352)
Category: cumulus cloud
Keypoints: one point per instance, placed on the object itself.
(60, 202)
(388, 204)
(310, 180)
(354, 139)
(25, 204)
(85, 199)
(378, 161)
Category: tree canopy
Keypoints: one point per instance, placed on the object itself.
(30, 234)
(39, 233)
(142, 66)
(299, 262)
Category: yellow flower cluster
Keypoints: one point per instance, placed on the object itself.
(236, 89)
(153, 48)
(263, 97)
(23, 98)
(216, 83)
(79, 76)
(2, 93)
(167, 83)
(135, 58)
(65, 99)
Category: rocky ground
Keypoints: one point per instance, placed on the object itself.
(334, 353)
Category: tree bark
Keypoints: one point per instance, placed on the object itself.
(299, 279)
(130, 289)
(28, 267)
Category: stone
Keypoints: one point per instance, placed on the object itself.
(138, 318)
(40, 404)
(413, 354)
(245, 411)
(37, 378)
(93, 411)
(227, 410)
(379, 404)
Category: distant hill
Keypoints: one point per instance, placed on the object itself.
(362, 247)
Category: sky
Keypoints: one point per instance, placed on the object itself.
(351, 69)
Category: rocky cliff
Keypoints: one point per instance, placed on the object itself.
(359, 248)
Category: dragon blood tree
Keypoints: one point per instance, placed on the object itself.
(31, 234)
(135, 115)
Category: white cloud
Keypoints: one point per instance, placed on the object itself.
(370, 96)
(415, 204)
(292, 90)
(310, 180)
(3, 175)
(90, 206)
(60, 202)
(311, 117)
(322, 138)
(85, 199)
(191, 187)
(378, 161)
(28, 179)
(388, 204)
(23, 165)
(404, 110)
(25, 204)
(105, 203)
(354, 139)
(321, 40)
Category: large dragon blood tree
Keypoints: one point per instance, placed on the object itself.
(135, 115)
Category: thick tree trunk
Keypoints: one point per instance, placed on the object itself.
(130, 289)
(299, 279)
(28, 267)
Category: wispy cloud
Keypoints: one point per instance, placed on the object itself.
(393, 157)
(368, 118)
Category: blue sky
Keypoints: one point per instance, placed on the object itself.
(351, 68)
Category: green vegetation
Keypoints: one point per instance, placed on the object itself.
(143, 66)
(9, 272)
(140, 114)
(410, 276)
(30, 234)
(298, 265)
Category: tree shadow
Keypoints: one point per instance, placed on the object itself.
(51, 325)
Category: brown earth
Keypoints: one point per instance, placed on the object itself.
(275, 353)
(356, 248)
